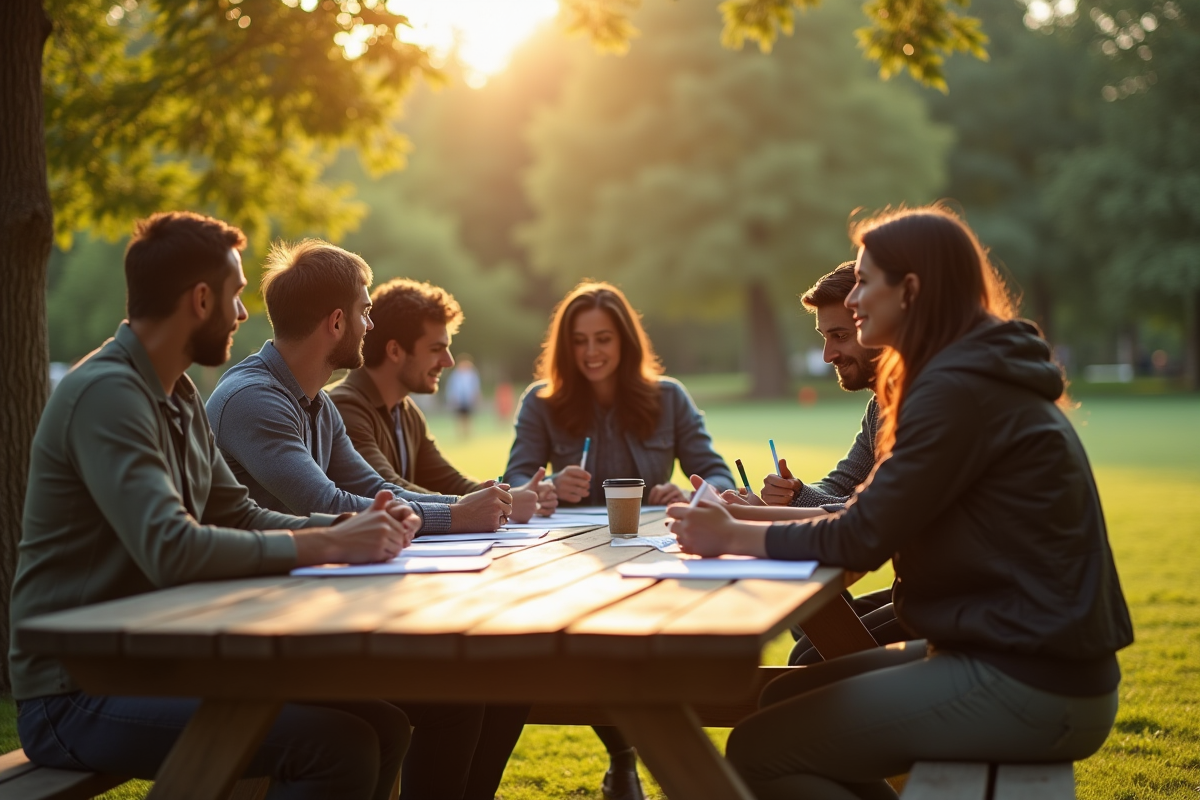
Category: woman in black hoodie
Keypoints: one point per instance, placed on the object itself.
(984, 500)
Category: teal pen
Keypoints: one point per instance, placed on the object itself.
(587, 445)
(774, 457)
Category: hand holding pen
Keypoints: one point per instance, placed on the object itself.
(574, 483)
(781, 488)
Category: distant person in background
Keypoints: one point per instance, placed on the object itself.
(404, 355)
(599, 378)
(462, 393)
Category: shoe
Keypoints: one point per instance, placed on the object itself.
(621, 782)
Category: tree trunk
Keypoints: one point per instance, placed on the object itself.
(768, 363)
(1191, 344)
(26, 232)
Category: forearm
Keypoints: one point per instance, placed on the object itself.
(773, 513)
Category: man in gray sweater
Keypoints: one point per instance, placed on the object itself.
(282, 435)
(127, 494)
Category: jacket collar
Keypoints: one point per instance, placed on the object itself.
(361, 381)
(184, 389)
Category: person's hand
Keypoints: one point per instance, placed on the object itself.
(483, 510)
(572, 484)
(742, 497)
(545, 499)
(524, 504)
(373, 535)
(781, 489)
(665, 494)
(708, 530)
(410, 521)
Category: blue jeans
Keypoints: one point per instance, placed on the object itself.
(349, 750)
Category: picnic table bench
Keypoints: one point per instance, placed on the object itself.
(552, 624)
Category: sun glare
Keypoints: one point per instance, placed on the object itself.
(483, 32)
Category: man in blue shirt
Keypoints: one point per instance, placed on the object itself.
(285, 440)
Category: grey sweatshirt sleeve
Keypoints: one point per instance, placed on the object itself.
(850, 472)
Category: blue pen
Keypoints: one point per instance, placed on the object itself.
(587, 445)
(773, 455)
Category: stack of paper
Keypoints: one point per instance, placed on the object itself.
(667, 544)
(398, 566)
(497, 537)
(723, 568)
(447, 548)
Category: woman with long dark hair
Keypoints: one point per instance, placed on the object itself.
(600, 379)
(983, 498)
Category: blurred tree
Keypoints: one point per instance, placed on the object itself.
(703, 179)
(401, 238)
(1131, 202)
(1011, 124)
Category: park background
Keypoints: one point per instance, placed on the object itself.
(714, 185)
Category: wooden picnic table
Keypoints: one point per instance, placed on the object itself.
(552, 624)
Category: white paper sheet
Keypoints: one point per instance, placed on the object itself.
(447, 549)
(667, 544)
(398, 566)
(521, 541)
(723, 568)
(494, 536)
(558, 521)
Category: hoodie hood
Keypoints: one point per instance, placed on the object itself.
(1013, 352)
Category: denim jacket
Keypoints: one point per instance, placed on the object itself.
(680, 434)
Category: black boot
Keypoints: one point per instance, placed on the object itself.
(621, 782)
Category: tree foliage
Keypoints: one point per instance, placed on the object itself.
(687, 172)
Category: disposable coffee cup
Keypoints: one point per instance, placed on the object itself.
(623, 496)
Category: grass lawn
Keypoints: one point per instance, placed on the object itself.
(1146, 454)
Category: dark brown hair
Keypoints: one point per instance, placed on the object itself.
(169, 254)
(304, 283)
(568, 393)
(400, 308)
(959, 288)
(830, 289)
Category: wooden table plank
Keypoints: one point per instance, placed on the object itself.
(434, 631)
(679, 753)
(622, 630)
(531, 628)
(98, 629)
(327, 616)
(745, 615)
(558, 680)
(214, 749)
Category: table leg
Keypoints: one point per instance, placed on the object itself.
(679, 753)
(214, 749)
(835, 630)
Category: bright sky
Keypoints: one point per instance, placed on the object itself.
(486, 31)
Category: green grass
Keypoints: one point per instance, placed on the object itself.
(1146, 454)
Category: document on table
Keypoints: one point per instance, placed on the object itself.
(559, 521)
(723, 568)
(447, 548)
(493, 536)
(399, 565)
(667, 544)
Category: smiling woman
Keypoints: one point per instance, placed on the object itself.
(482, 34)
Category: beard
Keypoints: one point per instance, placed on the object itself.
(209, 345)
(854, 374)
(348, 353)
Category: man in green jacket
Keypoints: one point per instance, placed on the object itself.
(404, 354)
(128, 493)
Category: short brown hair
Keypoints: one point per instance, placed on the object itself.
(400, 308)
(170, 253)
(306, 282)
(831, 289)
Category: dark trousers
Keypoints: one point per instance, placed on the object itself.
(349, 750)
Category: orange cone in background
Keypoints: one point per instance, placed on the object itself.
(808, 396)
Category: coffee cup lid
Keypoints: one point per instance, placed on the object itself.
(614, 482)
